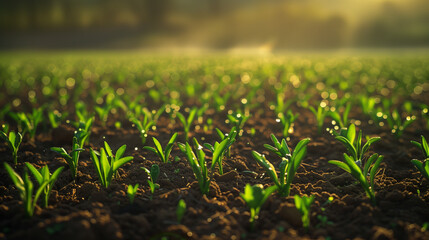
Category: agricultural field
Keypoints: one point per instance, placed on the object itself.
(150, 146)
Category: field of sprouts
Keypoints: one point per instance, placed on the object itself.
(128, 146)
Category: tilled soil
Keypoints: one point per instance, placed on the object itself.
(83, 209)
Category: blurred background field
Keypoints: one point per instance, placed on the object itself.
(238, 25)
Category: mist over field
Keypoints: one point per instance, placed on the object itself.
(213, 24)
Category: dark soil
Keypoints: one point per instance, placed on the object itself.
(85, 210)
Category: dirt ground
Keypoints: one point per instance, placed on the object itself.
(85, 210)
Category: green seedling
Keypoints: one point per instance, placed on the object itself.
(320, 115)
(81, 113)
(255, 196)
(71, 158)
(287, 122)
(303, 205)
(180, 210)
(199, 164)
(288, 166)
(397, 125)
(108, 162)
(103, 113)
(367, 104)
(341, 120)
(423, 167)
(230, 139)
(187, 122)
(43, 175)
(162, 154)
(143, 127)
(354, 145)
(153, 175)
(13, 141)
(238, 120)
(25, 188)
(55, 118)
(370, 168)
(281, 105)
(83, 131)
(131, 192)
(29, 122)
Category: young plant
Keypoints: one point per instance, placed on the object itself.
(303, 205)
(238, 120)
(229, 138)
(71, 158)
(103, 112)
(29, 122)
(187, 122)
(397, 125)
(288, 166)
(43, 175)
(198, 162)
(143, 127)
(108, 163)
(341, 120)
(320, 115)
(162, 154)
(26, 188)
(131, 192)
(423, 167)
(287, 122)
(13, 141)
(153, 175)
(370, 168)
(55, 118)
(255, 196)
(180, 210)
(83, 131)
(354, 145)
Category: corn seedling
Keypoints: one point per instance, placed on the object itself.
(198, 162)
(229, 138)
(287, 122)
(320, 115)
(370, 169)
(354, 145)
(55, 118)
(131, 192)
(397, 125)
(153, 175)
(238, 120)
(29, 122)
(187, 122)
(303, 205)
(143, 127)
(108, 163)
(180, 210)
(343, 120)
(71, 158)
(255, 196)
(43, 175)
(162, 154)
(25, 188)
(83, 131)
(288, 166)
(103, 113)
(423, 167)
(13, 141)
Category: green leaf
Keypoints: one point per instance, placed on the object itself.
(154, 172)
(340, 164)
(117, 164)
(374, 170)
(35, 172)
(120, 152)
(351, 133)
